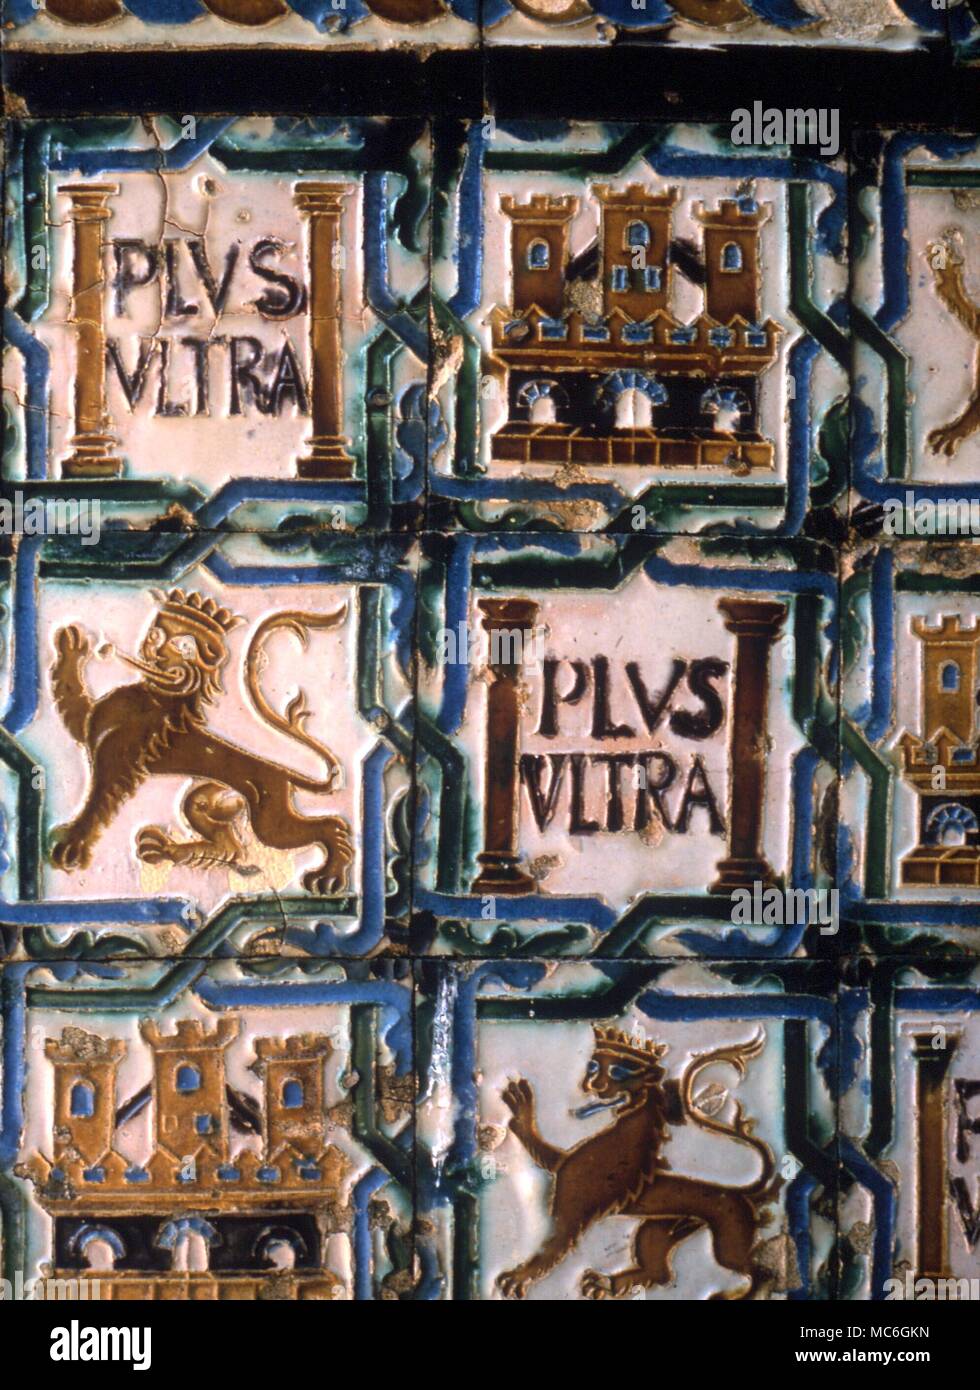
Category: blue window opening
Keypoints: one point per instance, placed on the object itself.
(755, 337)
(229, 1173)
(720, 337)
(204, 1124)
(731, 256)
(538, 255)
(268, 1174)
(136, 1175)
(951, 676)
(963, 755)
(553, 328)
(683, 335)
(652, 277)
(638, 234)
(619, 279)
(637, 333)
(595, 333)
(94, 1174)
(292, 1095)
(82, 1100)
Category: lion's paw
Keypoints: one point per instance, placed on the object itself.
(70, 852)
(514, 1283)
(73, 643)
(596, 1285)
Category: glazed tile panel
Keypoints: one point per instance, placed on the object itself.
(221, 1134)
(917, 421)
(910, 1080)
(209, 740)
(316, 25)
(634, 1068)
(910, 797)
(219, 322)
(619, 739)
(639, 328)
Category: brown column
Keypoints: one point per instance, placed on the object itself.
(932, 1064)
(328, 456)
(500, 873)
(91, 455)
(755, 625)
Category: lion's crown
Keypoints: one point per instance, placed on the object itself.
(640, 1049)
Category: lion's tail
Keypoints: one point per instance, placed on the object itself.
(737, 1055)
(297, 712)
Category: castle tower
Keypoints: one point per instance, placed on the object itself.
(635, 239)
(85, 1069)
(950, 672)
(292, 1074)
(539, 250)
(731, 254)
(189, 1103)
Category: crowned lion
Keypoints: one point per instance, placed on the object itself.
(157, 726)
(621, 1171)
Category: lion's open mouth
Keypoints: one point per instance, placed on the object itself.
(174, 680)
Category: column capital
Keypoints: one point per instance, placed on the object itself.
(89, 201)
(749, 617)
(321, 199)
(507, 612)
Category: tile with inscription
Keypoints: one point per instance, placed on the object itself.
(637, 328)
(910, 1130)
(208, 1136)
(916, 291)
(910, 743)
(895, 24)
(218, 323)
(71, 26)
(625, 746)
(208, 740)
(635, 1130)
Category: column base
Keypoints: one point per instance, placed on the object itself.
(328, 458)
(740, 873)
(92, 458)
(500, 876)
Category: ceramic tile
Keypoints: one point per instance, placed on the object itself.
(209, 741)
(209, 1136)
(218, 321)
(910, 856)
(68, 26)
(623, 745)
(710, 23)
(910, 1059)
(917, 422)
(633, 1074)
(639, 328)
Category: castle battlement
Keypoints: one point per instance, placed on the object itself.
(75, 1045)
(540, 207)
(949, 627)
(190, 1033)
(635, 195)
